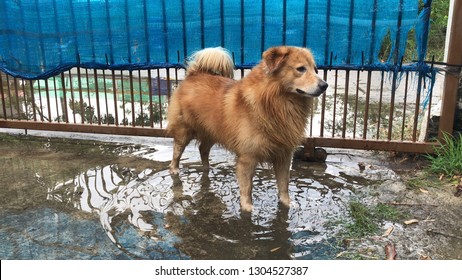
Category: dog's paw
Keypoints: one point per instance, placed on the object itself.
(174, 170)
(285, 201)
(246, 207)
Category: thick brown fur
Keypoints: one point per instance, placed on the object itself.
(260, 118)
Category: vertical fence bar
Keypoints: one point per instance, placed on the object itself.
(26, 98)
(380, 105)
(356, 104)
(114, 89)
(71, 87)
(40, 101)
(142, 115)
(2, 92)
(31, 84)
(56, 99)
(334, 104)
(90, 108)
(105, 98)
(366, 108)
(345, 103)
(47, 89)
(417, 107)
(64, 99)
(405, 105)
(151, 115)
(430, 97)
(132, 97)
(159, 95)
(79, 81)
(124, 120)
(16, 91)
(98, 108)
(323, 107)
(169, 89)
(392, 105)
(10, 100)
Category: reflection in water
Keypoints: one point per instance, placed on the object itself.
(198, 215)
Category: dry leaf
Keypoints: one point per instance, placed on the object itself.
(441, 177)
(425, 257)
(275, 249)
(390, 251)
(410, 222)
(388, 231)
(423, 190)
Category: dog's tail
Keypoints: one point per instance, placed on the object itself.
(215, 61)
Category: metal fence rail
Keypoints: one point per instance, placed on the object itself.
(362, 109)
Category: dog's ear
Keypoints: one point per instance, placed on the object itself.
(274, 57)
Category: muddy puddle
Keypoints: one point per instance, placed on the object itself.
(74, 199)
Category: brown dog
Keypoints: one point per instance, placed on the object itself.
(260, 118)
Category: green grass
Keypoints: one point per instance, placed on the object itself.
(366, 220)
(447, 158)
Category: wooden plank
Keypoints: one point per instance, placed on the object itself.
(453, 56)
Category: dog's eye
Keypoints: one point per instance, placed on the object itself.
(301, 69)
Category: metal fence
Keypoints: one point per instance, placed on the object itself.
(362, 109)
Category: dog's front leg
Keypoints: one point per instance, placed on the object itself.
(282, 171)
(245, 170)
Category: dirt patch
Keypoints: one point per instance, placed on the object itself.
(432, 228)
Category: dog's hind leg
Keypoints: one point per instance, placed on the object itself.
(282, 171)
(179, 144)
(245, 170)
(204, 149)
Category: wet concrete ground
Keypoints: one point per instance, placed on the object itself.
(110, 197)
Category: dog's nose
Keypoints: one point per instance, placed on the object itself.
(322, 85)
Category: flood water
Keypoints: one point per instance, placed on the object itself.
(74, 199)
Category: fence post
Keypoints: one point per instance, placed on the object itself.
(453, 55)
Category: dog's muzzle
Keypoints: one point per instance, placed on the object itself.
(317, 91)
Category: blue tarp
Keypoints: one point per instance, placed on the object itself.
(40, 38)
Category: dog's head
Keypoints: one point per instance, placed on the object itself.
(296, 70)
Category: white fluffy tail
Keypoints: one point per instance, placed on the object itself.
(215, 61)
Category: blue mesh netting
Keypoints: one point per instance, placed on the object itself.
(39, 38)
